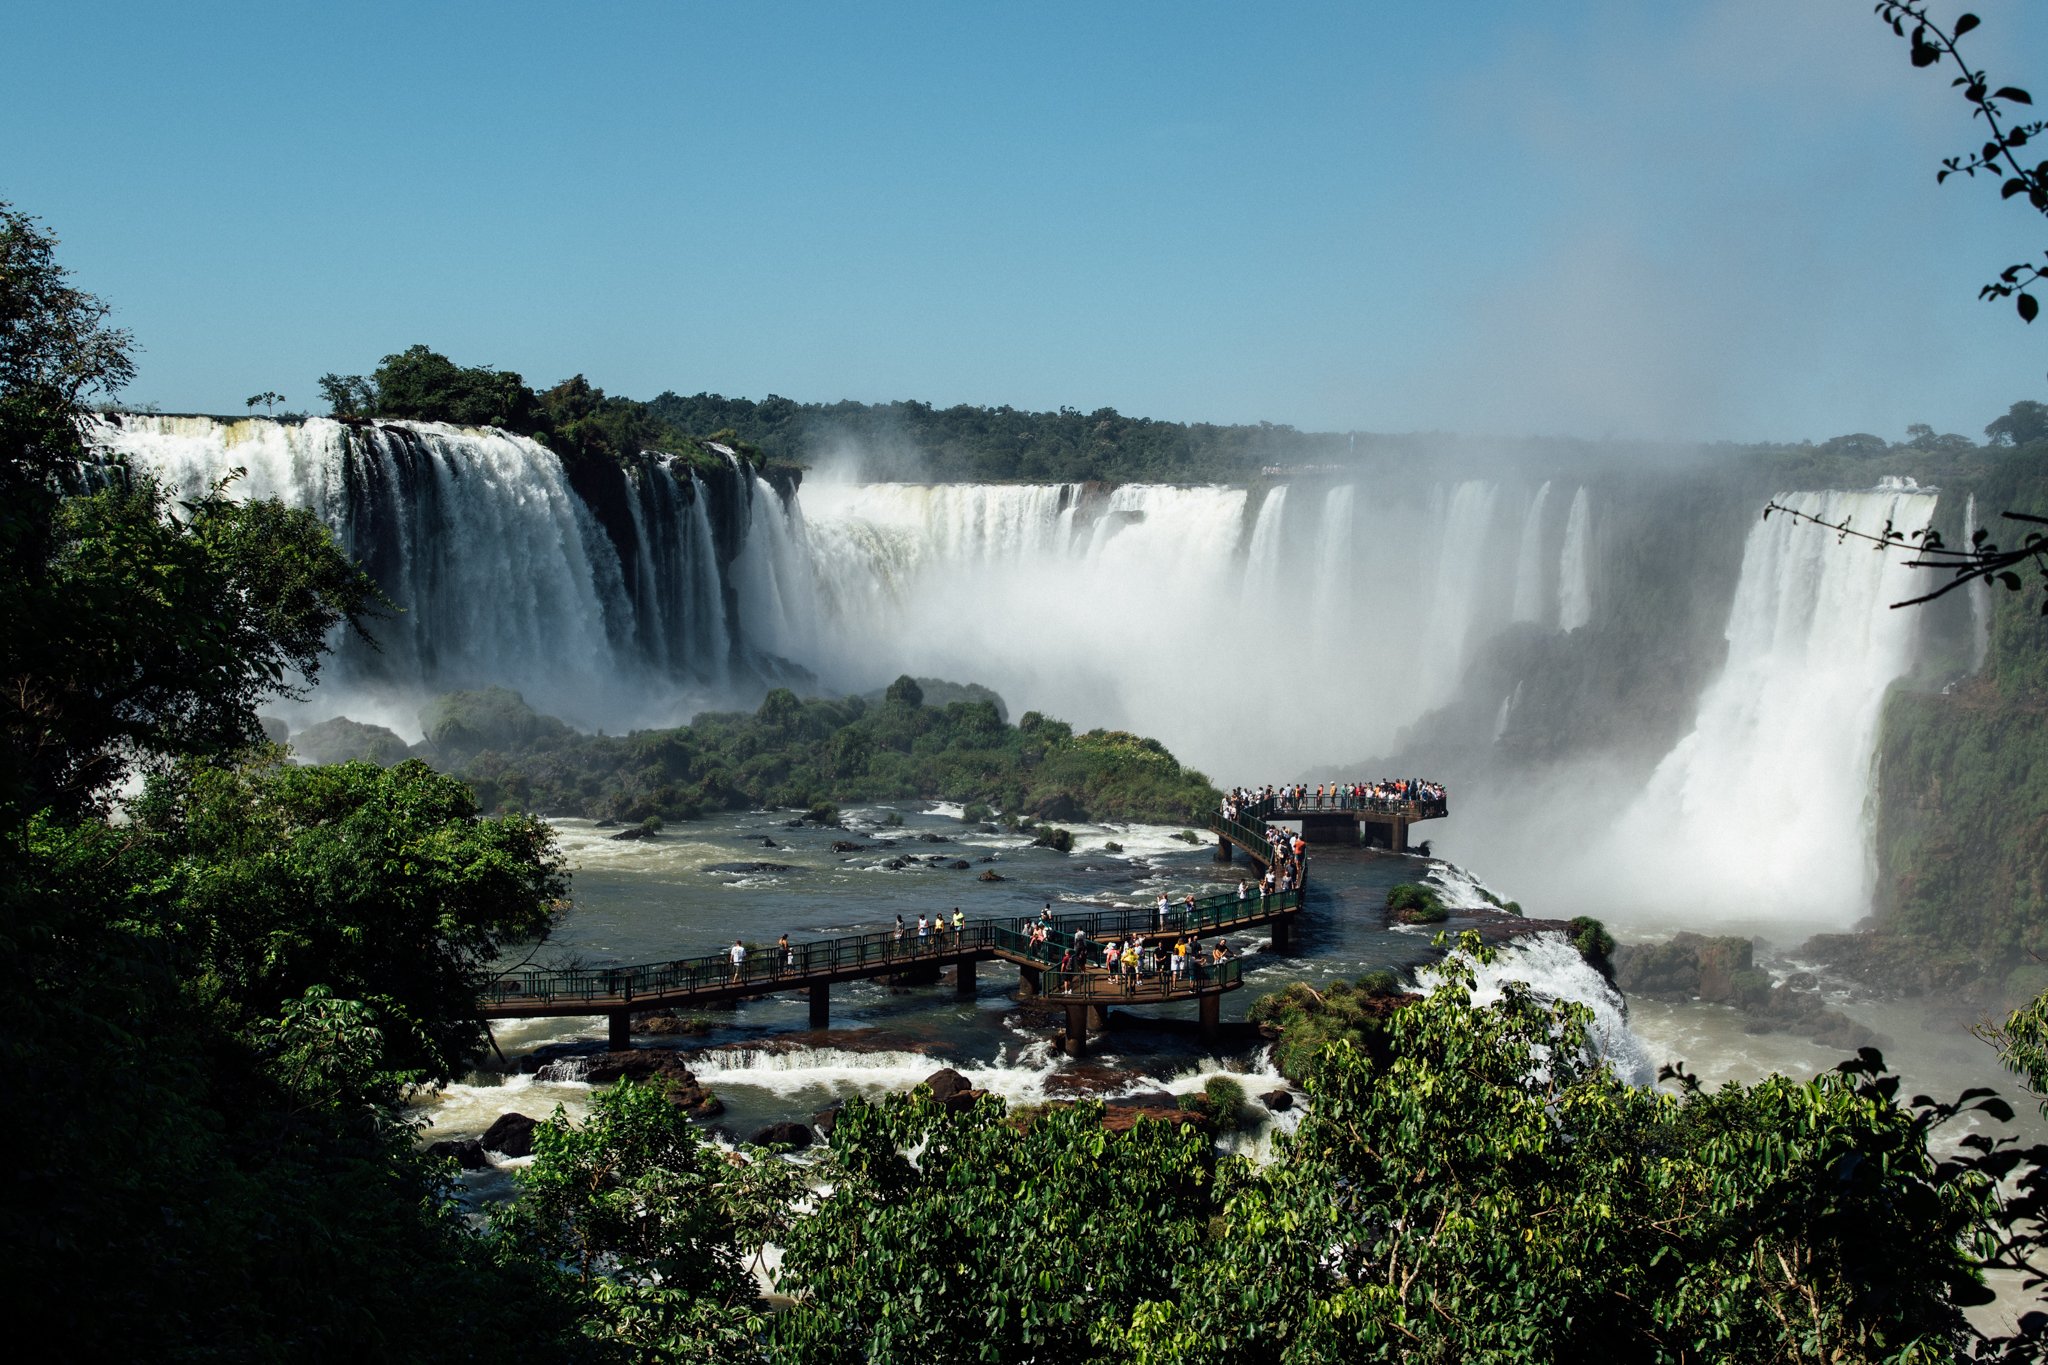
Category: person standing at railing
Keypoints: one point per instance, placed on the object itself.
(924, 931)
(786, 953)
(959, 926)
(738, 954)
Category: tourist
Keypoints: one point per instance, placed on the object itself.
(924, 929)
(738, 954)
(788, 953)
(959, 925)
(1162, 909)
(899, 927)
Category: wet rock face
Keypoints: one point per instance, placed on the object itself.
(795, 1136)
(1690, 965)
(511, 1134)
(1278, 1101)
(945, 1083)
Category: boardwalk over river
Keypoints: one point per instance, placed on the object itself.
(815, 967)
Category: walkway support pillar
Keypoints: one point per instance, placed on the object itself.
(963, 979)
(821, 1005)
(1283, 932)
(1223, 850)
(619, 1030)
(1397, 834)
(1098, 1017)
(1030, 983)
(1212, 1014)
(1076, 1041)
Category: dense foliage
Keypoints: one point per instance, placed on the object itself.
(1473, 1185)
(217, 1005)
(798, 754)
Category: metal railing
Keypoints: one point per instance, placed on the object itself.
(1287, 808)
(766, 968)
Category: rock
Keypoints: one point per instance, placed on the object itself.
(936, 860)
(959, 865)
(933, 839)
(987, 858)
(1688, 965)
(847, 846)
(1059, 806)
(992, 876)
(511, 1134)
(824, 1121)
(1802, 981)
(669, 1025)
(796, 1136)
(1123, 1118)
(468, 1153)
(745, 869)
(1279, 1101)
(636, 832)
(770, 843)
(945, 1083)
(604, 824)
(896, 864)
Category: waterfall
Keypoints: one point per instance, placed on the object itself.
(1262, 560)
(500, 570)
(1758, 815)
(1457, 603)
(1574, 588)
(1529, 560)
(1979, 594)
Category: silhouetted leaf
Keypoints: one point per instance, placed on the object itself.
(2011, 580)
(2015, 94)
(1964, 23)
(2028, 307)
(2012, 187)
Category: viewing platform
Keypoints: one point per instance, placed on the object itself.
(1372, 822)
(815, 967)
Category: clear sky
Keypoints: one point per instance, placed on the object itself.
(1686, 218)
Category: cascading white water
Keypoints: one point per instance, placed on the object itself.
(1574, 580)
(1553, 970)
(500, 572)
(1529, 576)
(1979, 594)
(1758, 815)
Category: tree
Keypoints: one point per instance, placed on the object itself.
(134, 635)
(268, 399)
(2023, 424)
(426, 386)
(348, 396)
(649, 1229)
(1998, 157)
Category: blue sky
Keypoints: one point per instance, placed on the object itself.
(1711, 219)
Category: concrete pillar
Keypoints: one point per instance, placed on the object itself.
(1283, 932)
(1076, 1040)
(619, 1033)
(821, 1005)
(1030, 982)
(1098, 1017)
(1223, 848)
(1397, 834)
(1212, 1014)
(963, 979)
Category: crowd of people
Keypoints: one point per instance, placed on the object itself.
(1392, 795)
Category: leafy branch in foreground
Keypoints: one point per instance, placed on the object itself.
(1998, 157)
(1982, 561)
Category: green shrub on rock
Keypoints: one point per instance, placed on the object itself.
(1413, 903)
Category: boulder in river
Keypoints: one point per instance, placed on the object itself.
(796, 1136)
(468, 1152)
(959, 865)
(992, 876)
(824, 1121)
(1278, 1101)
(945, 1083)
(511, 1134)
(847, 846)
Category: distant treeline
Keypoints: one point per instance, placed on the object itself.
(908, 439)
